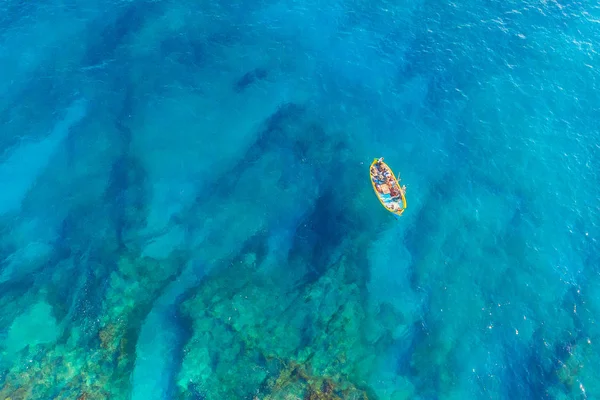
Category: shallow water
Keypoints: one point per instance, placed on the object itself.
(186, 209)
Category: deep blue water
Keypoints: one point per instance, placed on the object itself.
(186, 211)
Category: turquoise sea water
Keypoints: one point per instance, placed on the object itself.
(186, 212)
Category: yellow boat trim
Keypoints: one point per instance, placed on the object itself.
(399, 212)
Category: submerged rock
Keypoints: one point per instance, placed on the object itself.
(308, 345)
(71, 366)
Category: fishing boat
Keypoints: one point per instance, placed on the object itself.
(387, 187)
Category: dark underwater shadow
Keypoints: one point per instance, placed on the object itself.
(113, 31)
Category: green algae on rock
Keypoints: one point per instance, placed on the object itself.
(308, 345)
(295, 381)
(64, 371)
